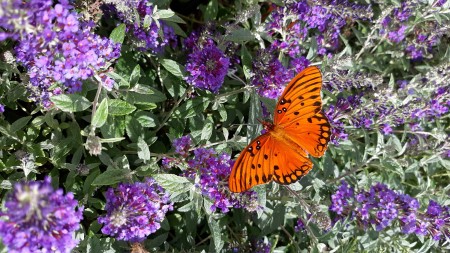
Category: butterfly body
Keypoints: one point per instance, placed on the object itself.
(299, 129)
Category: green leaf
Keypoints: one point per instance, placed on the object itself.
(255, 113)
(119, 107)
(147, 21)
(61, 150)
(173, 67)
(246, 62)
(173, 183)
(211, 10)
(275, 220)
(174, 19)
(143, 150)
(207, 131)
(101, 114)
(240, 35)
(178, 30)
(135, 75)
(70, 102)
(134, 128)
(192, 107)
(20, 123)
(118, 34)
(216, 232)
(163, 14)
(147, 119)
(114, 127)
(145, 95)
(122, 82)
(111, 176)
(156, 241)
(104, 245)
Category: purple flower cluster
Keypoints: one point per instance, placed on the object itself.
(135, 210)
(182, 145)
(269, 75)
(338, 112)
(429, 95)
(154, 36)
(206, 63)
(2, 108)
(383, 207)
(395, 24)
(56, 48)
(213, 170)
(300, 226)
(210, 171)
(323, 20)
(38, 218)
(423, 36)
(261, 246)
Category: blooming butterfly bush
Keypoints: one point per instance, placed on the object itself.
(38, 218)
(121, 122)
(135, 210)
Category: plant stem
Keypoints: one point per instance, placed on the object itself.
(169, 114)
(94, 104)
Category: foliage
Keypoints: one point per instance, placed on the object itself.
(136, 110)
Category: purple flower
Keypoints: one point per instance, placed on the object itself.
(324, 19)
(398, 36)
(339, 200)
(57, 50)
(182, 145)
(207, 66)
(135, 210)
(386, 129)
(38, 218)
(210, 171)
(2, 108)
(154, 36)
(300, 226)
(261, 246)
(269, 75)
(382, 206)
(440, 2)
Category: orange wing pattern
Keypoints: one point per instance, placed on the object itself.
(312, 133)
(267, 159)
(300, 129)
(252, 166)
(300, 98)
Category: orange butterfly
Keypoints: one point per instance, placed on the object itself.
(299, 129)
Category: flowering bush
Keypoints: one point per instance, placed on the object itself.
(121, 121)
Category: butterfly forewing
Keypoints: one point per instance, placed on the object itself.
(301, 97)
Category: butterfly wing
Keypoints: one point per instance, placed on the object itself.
(300, 98)
(252, 167)
(298, 112)
(266, 159)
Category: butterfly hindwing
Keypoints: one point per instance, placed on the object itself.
(289, 163)
(273, 160)
(301, 97)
